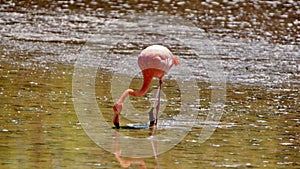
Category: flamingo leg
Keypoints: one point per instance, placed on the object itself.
(151, 117)
(158, 102)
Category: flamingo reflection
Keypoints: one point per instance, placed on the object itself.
(126, 162)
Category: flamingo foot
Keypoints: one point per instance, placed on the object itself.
(151, 123)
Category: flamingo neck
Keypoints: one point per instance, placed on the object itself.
(146, 84)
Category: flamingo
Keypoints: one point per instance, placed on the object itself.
(154, 61)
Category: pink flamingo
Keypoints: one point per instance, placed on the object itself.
(154, 61)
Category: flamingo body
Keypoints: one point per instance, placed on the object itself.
(154, 61)
(157, 57)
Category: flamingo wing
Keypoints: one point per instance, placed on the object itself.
(157, 57)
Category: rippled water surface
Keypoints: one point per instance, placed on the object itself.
(240, 63)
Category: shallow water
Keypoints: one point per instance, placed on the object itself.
(239, 62)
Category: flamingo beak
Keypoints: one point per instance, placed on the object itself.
(116, 121)
(116, 118)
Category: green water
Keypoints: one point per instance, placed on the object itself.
(255, 42)
(39, 127)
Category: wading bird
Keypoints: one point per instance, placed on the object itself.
(154, 61)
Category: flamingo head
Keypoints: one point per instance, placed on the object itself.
(117, 110)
